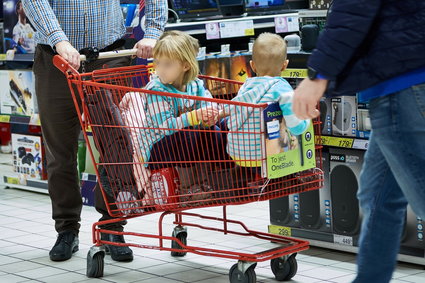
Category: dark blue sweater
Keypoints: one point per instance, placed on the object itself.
(366, 42)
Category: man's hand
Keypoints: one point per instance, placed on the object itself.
(69, 53)
(306, 97)
(145, 47)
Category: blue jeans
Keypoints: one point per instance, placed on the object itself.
(393, 175)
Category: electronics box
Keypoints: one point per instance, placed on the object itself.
(344, 116)
(29, 157)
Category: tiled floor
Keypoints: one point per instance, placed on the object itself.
(27, 234)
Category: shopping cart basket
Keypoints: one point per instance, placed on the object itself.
(112, 104)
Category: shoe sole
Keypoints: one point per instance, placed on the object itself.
(74, 250)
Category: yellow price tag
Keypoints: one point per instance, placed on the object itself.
(294, 73)
(4, 118)
(3, 57)
(280, 230)
(13, 181)
(249, 31)
(335, 141)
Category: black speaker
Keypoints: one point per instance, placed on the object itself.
(309, 36)
(323, 111)
(310, 209)
(231, 7)
(279, 211)
(345, 206)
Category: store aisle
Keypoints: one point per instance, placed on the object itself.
(26, 235)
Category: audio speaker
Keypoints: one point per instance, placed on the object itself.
(345, 167)
(326, 116)
(315, 206)
(309, 36)
(412, 242)
(279, 211)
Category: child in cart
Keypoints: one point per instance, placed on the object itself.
(268, 61)
(171, 137)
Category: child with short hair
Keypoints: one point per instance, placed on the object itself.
(268, 61)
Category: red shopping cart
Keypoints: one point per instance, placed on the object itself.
(201, 174)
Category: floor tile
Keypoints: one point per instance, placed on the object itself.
(417, 278)
(10, 278)
(41, 272)
(326, 273)
(165, 269)
(19, 266)
(194, 275)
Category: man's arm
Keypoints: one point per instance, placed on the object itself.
(41, 14)
(347, 26)
(156, 17)
(156, 12)
(42, 17)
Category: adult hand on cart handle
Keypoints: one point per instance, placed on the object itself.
(69, 53)
(306, 97)
(145, 47)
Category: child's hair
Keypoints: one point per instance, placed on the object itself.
(269, 53)
(180, 46)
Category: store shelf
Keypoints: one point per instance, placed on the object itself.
(343, 142)
(13, 180)
(339, 242)
(264, 21)
(18, 58)
(33, 120)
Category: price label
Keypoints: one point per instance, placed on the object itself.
(236, 28)
(343, 240)
(3, 57)
(294, 73)
(13, 181)
(335, 141)
(280, 230)
(361, 144)
(4, 118)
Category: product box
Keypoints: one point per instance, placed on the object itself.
(320, 4)
(344, 116)
(18, 31)
(88, 184)
(286, 153)
(364, 125)
(201, 59)
(17, 95)
(345, 168)
(28, 157)
(412, 241)
(326, 116)
(240, 68)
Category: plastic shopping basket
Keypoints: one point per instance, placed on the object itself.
(140, 174)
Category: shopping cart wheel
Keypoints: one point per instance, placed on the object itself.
(181, 234)
(284, 270)
(237, 276)
(95, 262)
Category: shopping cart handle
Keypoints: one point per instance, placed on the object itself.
(110, 54)
(65, 67)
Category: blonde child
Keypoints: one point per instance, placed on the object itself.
(171, 137)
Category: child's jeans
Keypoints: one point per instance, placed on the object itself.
(184, 148)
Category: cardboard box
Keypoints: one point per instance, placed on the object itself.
(28, 157)
(363, 121)
(326, 116)
(344, 116)
(87, 189)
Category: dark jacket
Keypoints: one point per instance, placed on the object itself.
(366, 42)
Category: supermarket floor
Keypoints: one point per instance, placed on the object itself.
(27, 234)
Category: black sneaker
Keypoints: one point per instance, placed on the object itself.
(65, 246)
(118, 253)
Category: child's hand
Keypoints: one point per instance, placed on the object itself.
(208, 115)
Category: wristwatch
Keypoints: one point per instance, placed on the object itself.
(312, 73)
